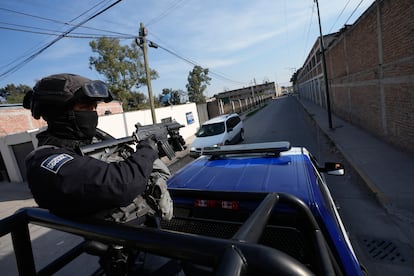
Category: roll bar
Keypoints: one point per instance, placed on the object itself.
(232, 256)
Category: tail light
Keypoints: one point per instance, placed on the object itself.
(218, 204)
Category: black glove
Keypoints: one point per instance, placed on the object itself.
(151, 141)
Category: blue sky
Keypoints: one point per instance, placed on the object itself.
(241, 42)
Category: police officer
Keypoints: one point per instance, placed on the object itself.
(67, 183)
(64, 181)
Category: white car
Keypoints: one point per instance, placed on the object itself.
(222, 130)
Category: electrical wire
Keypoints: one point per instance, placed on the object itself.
(359, 4)
(90, 9)
(167, 11)
(353, 11)
(64, 34)
(191, 62)
(74, 35)
(50, 32)
(343, 9)
(61, 22)
(305, 50)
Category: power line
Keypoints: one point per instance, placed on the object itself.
(61, 22)
(307, 35)
(167, 11)
(196, 64)
(353, 11)
(74, 35)
(343, 9)
(31, 57)
(192, 62)
(45, 31)
(90, 9)
(50, 32)
(31, 15)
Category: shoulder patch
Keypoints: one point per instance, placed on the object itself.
(54, 162)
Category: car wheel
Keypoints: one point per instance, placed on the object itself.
(242, 135)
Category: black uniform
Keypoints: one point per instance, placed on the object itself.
(67, 183)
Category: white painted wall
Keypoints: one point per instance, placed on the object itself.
(122, 125)
(117, 125)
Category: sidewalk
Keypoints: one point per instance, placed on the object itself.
(388, 172)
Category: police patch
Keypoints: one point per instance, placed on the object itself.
(54, 162)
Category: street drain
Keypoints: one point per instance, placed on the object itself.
(383, 250)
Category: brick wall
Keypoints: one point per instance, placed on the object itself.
(370, 68)
(17, 119)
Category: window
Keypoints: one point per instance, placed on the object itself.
(232, 122)
(210, 130)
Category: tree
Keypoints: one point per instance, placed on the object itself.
(137, 100)
(170, 96)
(13, 93)
(294, 78)
(198, 80)
(122, 67)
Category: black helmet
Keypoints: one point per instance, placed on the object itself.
(59, 92)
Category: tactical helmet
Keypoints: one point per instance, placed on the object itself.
(61, 91)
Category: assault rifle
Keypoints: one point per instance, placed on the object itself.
(166, 135)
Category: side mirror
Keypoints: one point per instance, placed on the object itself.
(332, 168)
(229, 129)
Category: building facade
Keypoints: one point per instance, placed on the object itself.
(370, 68)
(240, 100)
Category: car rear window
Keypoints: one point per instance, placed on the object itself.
(210, 130)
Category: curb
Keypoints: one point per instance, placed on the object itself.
(379, 195)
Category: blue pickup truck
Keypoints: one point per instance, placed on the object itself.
(246, 209)
(217, 193)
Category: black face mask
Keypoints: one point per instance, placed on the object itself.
(86, 121)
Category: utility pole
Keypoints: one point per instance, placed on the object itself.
(325, 74)
(143, 44)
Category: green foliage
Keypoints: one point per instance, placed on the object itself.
(14, 94)
(136, 100)
(123, 68)
(198, 80)
(175, 96)
(294, 77)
